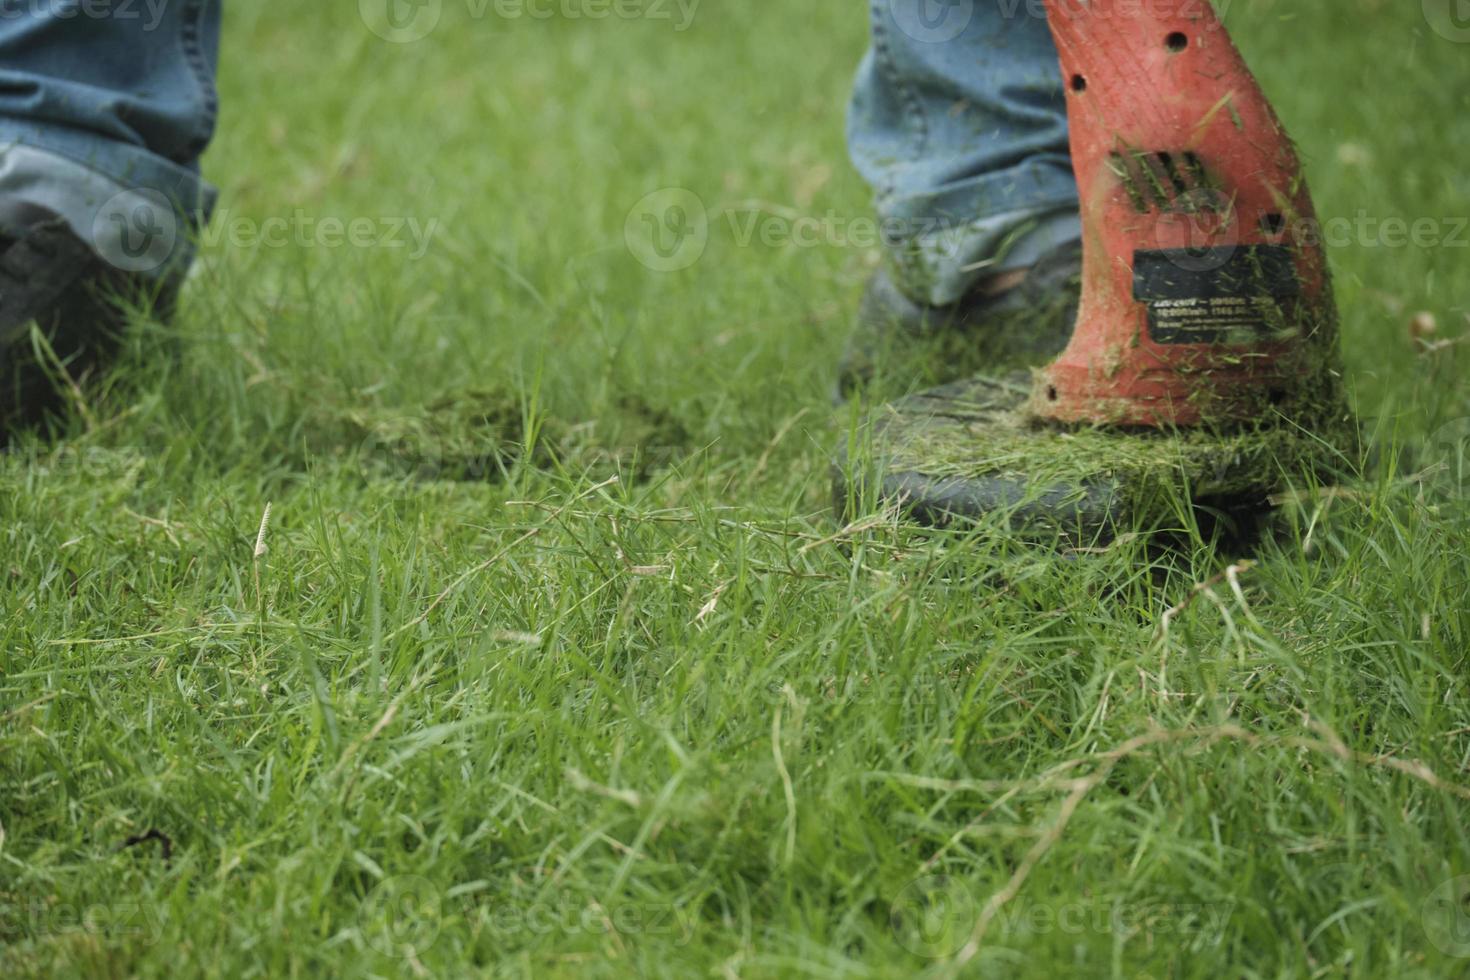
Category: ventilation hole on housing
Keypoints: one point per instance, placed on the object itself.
(1196, 168)
(1177, 41)
(1051, 393)
(1079, 83)
(1273, 224)
(1156, 177)
(1118, 164)
(1175, 177)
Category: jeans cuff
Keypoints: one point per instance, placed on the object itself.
(941, 267)
(136, 210)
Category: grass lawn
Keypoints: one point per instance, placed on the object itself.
(622, 702)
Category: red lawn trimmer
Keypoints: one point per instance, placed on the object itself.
(1204, 363)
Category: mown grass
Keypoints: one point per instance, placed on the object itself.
(483, 710)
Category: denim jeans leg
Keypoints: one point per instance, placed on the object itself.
(105, 109)
(959, 122)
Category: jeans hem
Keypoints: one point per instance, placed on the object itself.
(942, 267)
(136, 210)
(128, 165)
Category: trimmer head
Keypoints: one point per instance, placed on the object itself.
(1204, 363)
(971, 451)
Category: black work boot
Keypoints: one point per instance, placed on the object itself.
(1018, 319)
(78, 302)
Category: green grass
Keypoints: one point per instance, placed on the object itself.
(478, 710)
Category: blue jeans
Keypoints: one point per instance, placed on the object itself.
(959, 122)
(105, 109)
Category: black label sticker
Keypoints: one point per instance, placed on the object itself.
(1231, 295)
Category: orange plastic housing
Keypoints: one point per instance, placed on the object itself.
(1200, 303)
